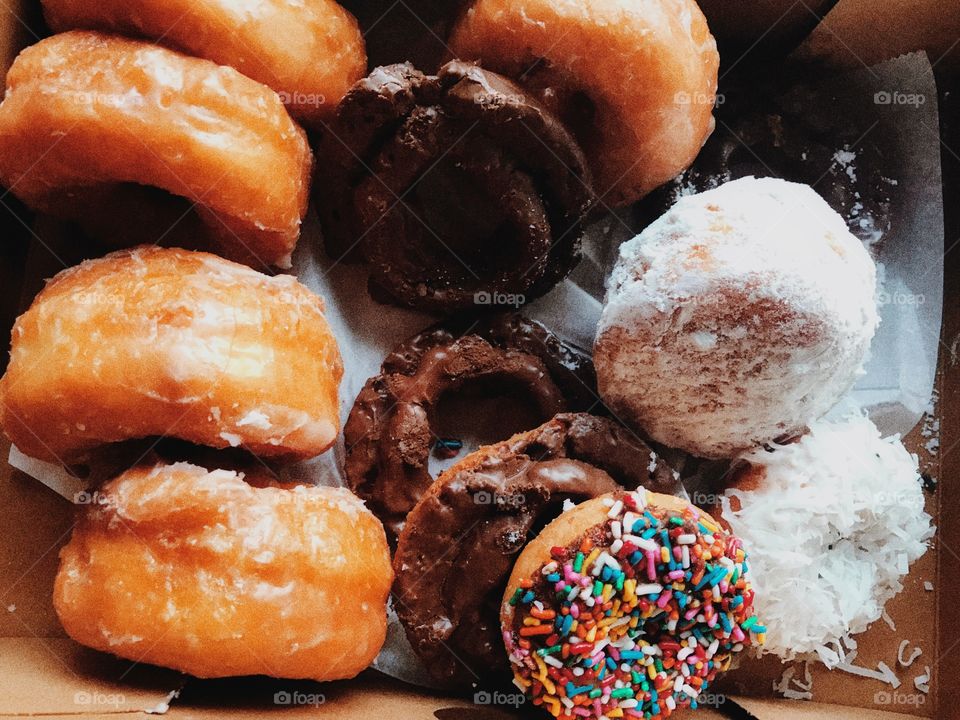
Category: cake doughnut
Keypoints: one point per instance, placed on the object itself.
(754, 299)
(390, 431)
(199, 571)
(92, 121)
(455, 188)
(460, 541)
(629, 602)
(634, 81)
(309, 52)
(166, 342)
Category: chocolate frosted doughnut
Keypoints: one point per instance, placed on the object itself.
(460, 542)
(456, 188)
(389, 433)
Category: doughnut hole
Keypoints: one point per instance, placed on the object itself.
(482, 412)
(462, 225)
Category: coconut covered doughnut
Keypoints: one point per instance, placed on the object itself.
(824, 570)
(457, 189)
(390, 432)
(309, 52)
(627, 605)
(165, 342)
(634, 80)
(93, 125)
(754, 299)
(202, 572)
(461, 539)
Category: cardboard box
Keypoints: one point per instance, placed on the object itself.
(44, 673)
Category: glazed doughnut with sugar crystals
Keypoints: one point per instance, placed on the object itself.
(92, 121)
(628, 605)
(309, 52)
(166, 342)
(634, 80)
(200, 571)
(740, 316)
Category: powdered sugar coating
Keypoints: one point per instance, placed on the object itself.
(742, 314)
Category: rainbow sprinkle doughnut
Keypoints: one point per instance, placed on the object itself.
(635, 616)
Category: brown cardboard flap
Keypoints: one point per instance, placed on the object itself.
(859, 33)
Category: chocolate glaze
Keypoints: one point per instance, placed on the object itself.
(460, 542)
(389, 433)
(452, 185)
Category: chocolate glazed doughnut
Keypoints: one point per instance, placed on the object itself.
(460, 542)
(388, 435)
(456, 188)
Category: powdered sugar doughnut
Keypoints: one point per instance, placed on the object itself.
(824, 570)
(742, 314)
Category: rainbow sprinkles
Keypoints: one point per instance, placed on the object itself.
(636, 618)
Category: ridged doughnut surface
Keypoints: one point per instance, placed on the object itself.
(202, 572)
(635, 79)
(150, 342)
(309, 51)
(86, 116)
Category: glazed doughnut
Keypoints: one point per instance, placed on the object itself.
(460, 541)
(390, 431)
(754, 299)
(90, 120)
(634, 81)
(456, 188)
(202, 572)
(150, 341)
(309, 52)
(631, 602)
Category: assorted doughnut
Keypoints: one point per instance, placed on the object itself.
(468, 528)
(90, 121)
(634, 81)
(451, 186)
(168, 342)
(390, 433)
(309, 52)
(755, 299)
(205, 573)
(565, 558)
(630, 602)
